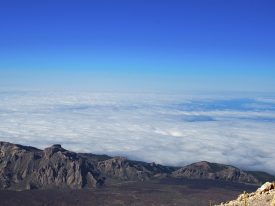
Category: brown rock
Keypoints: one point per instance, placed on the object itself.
(24, 168)
(28, 168)
(213, 171)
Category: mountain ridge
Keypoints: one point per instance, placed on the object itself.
(25, 168)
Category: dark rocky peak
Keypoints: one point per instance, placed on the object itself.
(207, 166)
(119, 161)
(49, 151)
(56, 147)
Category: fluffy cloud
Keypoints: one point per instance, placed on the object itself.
(169, 129)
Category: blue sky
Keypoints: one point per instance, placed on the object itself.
(138, 45)
(144, 46)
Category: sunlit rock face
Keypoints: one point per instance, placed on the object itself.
(54, 167)
(264, 196)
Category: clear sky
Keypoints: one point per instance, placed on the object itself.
(138, 44)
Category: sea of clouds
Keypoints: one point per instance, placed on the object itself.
(171, 129)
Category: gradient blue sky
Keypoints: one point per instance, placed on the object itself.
(138, 45)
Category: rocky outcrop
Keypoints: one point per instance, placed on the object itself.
(121, 168)
(24, 168)
(213, 171)
(29, 168)
(124, 169)
(264, 196)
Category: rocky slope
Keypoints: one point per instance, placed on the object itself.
(213, 171)
(24, 168)
(264, 196)
(29, 168)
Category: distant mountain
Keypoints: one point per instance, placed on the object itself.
(25, 168)
(214, 171)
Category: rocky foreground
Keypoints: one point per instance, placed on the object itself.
(27, 168)
(264, 196)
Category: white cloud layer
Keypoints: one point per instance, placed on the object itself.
(167, 129)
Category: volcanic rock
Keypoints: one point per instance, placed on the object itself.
(213, 171)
